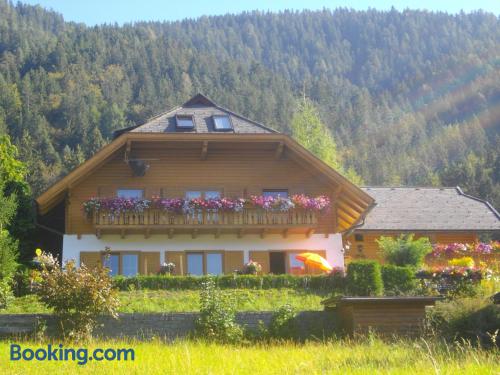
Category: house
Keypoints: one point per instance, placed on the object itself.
(177, 167)
(444, 215)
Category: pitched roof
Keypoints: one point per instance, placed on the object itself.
(427, 209)
(202, 110)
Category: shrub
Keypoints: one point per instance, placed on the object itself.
(474, 319)
(251, 268)
(453, 281)
(398, 280)
(403, 250)
(8, 255)
(332, 282)
(77, 296)
(217, 316)
(364, 278)
(283, 324)
(6, 295)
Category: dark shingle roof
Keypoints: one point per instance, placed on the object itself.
(408, 209)
(202, 109)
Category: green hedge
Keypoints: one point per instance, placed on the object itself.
(364, 278)
(155, 282)
(398, 280)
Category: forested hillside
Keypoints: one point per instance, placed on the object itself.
(412, 98)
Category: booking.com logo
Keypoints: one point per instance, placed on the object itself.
(81, 356)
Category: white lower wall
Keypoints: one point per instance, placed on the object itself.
(333, 244)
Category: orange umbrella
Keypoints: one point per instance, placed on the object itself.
(314, 260)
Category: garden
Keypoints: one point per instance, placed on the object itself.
(461, 334)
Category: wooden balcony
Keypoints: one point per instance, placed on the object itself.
(247, 221)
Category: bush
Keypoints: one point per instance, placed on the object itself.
(333, 282)
(474, 319)
(398, 280)
(454, 281)
(8, 255)
(283, 324)
(6, 295)
(404, 251)
(77, 296)
(364, 278)
(217, 316)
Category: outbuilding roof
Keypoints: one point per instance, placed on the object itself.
(428, 209)
(202, 110)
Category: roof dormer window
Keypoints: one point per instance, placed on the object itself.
(222, 123)
(184, 122)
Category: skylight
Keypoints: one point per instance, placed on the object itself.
(184, 122)
(222, 123)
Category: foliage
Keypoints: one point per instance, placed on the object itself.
(283, 324)
(158, 301)
(217, 316)
(76, 295)
(403, 250)
(180, 205)
(364, 278)
(467, 318)
(309, 282)
(251, 268)
(6, 295)
(8, 255)
(445, 252)
(386, 93)
(454, 280)
(166, 269)
(398, 280)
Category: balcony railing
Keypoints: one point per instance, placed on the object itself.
(248, 217)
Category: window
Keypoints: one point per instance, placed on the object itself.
(283, 193)
(130, 193)
(195, 264)
(130, 264)
(222, 123)
(358, 237)
(207, 194)
(113, 263)
(214, 263)
(126, 263)
(184, 122)
(296, 266)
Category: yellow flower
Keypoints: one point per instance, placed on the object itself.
(38, 252)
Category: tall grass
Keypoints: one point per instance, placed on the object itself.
(368, 356)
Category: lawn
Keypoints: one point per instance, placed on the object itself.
(336, 357)
(188, 300)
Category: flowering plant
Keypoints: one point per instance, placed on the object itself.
(180, 205)
(252, 268)
(166, 268)
(458, 250)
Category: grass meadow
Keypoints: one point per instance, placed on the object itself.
(367, 356)
(147, 301)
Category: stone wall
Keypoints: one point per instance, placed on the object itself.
(163, 325)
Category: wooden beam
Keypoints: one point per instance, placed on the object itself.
(98, 233)
(171, 232)
(285, 233)
(279, 150)
(123, 233)
(194, 233)
(147, 233)
(128, 149)
(204, 150)
(241, 232)
(310, 232)
(263, 233)
(217, 233)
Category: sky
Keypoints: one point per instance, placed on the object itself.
(93, 12)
